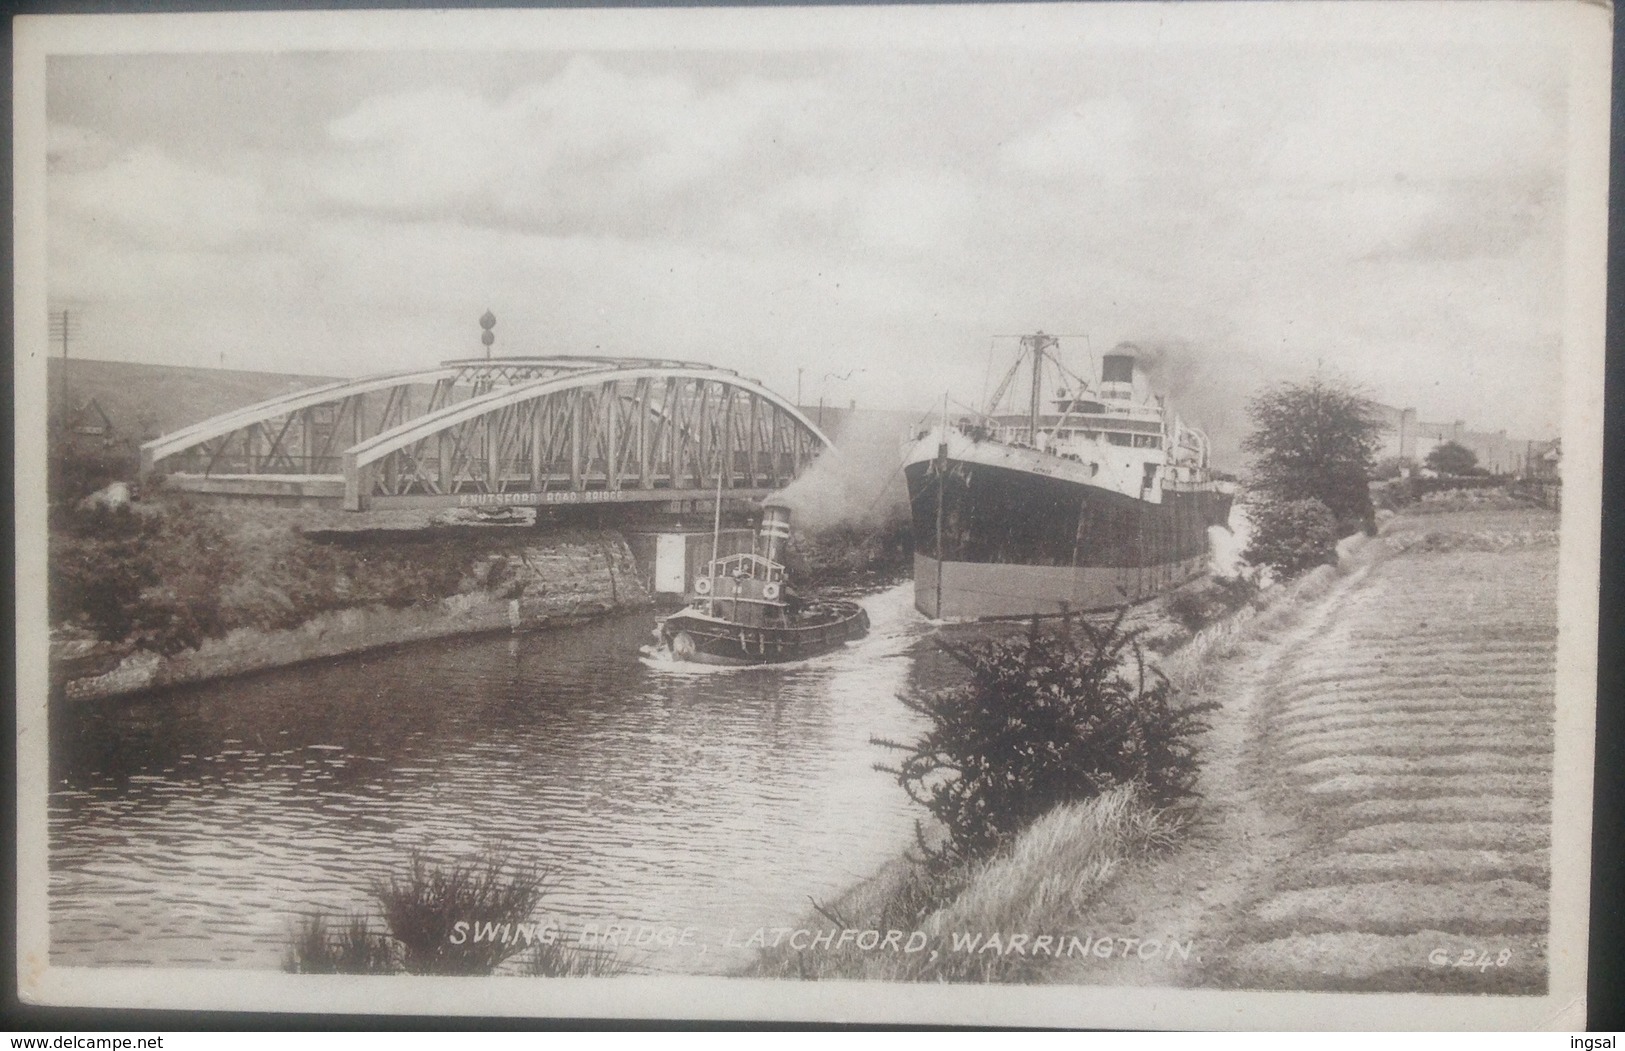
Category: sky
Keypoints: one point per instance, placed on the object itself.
(1386, 209)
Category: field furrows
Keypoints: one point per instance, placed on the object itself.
(1476, 741)
(1410, 743)
(1436, 681)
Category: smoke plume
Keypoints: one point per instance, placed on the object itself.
(859, 483)
(1208, 388)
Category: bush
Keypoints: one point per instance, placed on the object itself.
(1197, 605)
(150, 577)
(98, 572)
(1046, 719)
(423, 908)
(73, 472)
(457, 919)
(844, 554)
(352, 949)
(559, 959)
(1392, 468)
(1397, 494)
(1292, 536)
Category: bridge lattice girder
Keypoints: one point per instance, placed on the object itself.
(507, 431)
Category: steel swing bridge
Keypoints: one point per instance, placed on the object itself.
(500, 432)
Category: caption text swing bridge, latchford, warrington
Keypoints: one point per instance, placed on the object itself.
(500, 432)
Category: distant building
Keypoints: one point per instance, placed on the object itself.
(92, 421)
(1543, 461)
(1406, 437)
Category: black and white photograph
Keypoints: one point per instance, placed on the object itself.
(1076, 515)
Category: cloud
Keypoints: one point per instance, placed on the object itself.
(587, 150)
(72, 148)
(900, 212)
(1099, 140)
(870, 209)
(1424, 116)
(148, 197)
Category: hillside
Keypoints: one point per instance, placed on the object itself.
(143, 401)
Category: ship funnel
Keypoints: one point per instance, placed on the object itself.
(1118, 372)
(775, 532)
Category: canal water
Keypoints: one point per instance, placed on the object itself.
(195, 827)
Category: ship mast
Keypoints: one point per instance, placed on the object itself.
(1037, 344)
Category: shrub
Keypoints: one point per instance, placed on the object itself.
(1191, 607)
(153, 577)
(1291, 536)
(457, 919)
(73, 471)
(1395, 495)
(1392, 468)
(1046, 719)
(193, 562)
(98, 572)
(841, 554)
(352, 949)
(559, 959)
(423, 907)
(1197, 605)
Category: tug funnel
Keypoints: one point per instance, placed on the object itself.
(775, 532)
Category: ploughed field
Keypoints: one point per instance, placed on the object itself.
(1409, 741)
(1376, 789)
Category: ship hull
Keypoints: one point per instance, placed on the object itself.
(1017, 542)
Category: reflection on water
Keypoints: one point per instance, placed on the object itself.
(192, 827)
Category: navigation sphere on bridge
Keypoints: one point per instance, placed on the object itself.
(487, 338)
(488, 321)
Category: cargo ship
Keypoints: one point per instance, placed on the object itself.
(742, 610)
(1097, 496)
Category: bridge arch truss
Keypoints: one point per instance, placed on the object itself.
(501, 432)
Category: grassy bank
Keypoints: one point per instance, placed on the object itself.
(983, 921)
(937, 927)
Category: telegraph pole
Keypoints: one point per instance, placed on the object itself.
(62, 325)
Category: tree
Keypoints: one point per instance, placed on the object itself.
(1453, 459)
(1291, 536)
(1045, 719)
(1315, 441)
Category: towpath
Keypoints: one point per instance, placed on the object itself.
(1377, 786)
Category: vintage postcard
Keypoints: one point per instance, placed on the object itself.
(1073, 515)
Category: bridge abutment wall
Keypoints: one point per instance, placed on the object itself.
(538, 584)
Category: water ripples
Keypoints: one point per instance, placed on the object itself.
(195, 827)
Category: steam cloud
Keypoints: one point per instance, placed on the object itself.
(1227, 547)
(859, 483)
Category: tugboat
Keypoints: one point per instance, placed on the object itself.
(742, 610)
